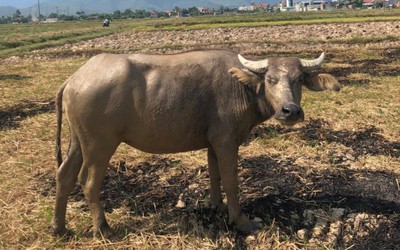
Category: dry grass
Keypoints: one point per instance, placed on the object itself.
(345, 155)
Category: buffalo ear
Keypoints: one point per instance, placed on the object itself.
(320, 82)
(246, 77)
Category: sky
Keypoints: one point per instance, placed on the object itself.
(18, 3)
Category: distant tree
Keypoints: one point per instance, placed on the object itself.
(17, 14)
(102, 16)
(194, 11)
(53, 15)
(17, 17)
(163, 14)
(185, 12)
(117, 14)
(141, 14)
(348, 3)
(67, 17)
(227, 9)
(24, 19)
(4, 20)
(177, 10)
(128, 13)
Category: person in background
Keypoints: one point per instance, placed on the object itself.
(106, 23)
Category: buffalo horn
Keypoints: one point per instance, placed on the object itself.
(313, 64)
(255, 66)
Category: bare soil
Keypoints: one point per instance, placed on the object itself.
(251, 40)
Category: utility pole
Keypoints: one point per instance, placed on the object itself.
(38, 7)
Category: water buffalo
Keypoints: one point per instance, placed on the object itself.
(174, 103)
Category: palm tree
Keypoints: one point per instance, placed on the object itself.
(177, 10)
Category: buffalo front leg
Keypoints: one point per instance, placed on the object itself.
(228, 168)
(66, 177)
(215, 179)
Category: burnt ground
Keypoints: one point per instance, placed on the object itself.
(338, 207)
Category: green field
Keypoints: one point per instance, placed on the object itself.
(344, 157)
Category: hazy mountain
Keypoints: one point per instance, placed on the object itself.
(18, 3)
(7, 11)
(70, 7)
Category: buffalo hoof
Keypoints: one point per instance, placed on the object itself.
(104, 233)
(65, 233)
(59, 232)
(220, 208)
(247, 227)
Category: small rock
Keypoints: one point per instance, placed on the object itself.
(257, 220)
(193, 186)
(302, 234)
(180, 204)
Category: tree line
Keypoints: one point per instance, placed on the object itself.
(17, 17)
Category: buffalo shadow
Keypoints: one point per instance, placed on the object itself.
(15, 77)
(366, 141)
(272, 188)
(372, 67)
(11, 117)
(292, 189)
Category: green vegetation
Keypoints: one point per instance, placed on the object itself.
(23, 38)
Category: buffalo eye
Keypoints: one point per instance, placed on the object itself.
(272, 81)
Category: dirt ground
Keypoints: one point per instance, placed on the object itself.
(249, 40)
(338, 206)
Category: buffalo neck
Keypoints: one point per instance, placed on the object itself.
(258, 104)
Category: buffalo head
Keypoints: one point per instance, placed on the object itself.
(277, 84)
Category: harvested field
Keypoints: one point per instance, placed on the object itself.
(253, 40)
(331, 182)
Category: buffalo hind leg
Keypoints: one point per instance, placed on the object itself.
(227, 156)
(66, 178)
(91, 178)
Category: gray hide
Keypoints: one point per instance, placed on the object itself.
(174, 103)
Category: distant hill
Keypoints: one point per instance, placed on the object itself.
(70, 7)
(7, 11)
(20, 4)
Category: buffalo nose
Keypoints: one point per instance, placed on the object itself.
(291, 109)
